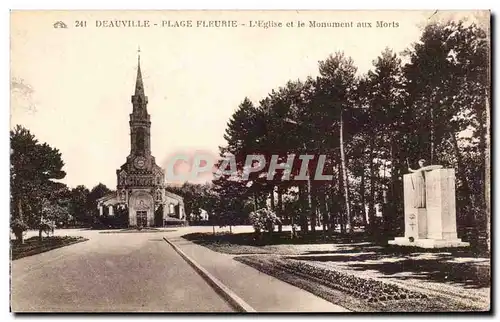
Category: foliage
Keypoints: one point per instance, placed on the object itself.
(33, 168)
(35, 245)
(35, 193)
(264, 220)
(196, 197)
(18, 227)
(371, 127)
(46, 226)
(357, 293)
(222, 209)
(80, 206)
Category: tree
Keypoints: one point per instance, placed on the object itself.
(383, 95)
(50, 213)
(230, 206)
(263, 220)
(33, 167)
(99, 191)
(377, 123)
(197, 197)
(447, 81)
(339, 82)
(80, 203)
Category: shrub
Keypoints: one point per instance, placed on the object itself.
(46, 226)
(367, 289)
(18, 228)
(264, 220)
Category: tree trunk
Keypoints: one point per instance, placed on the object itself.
(40, 230)
(480, 200)
(391, 205)
(383, 203)
(362, 196)
(311, 205)
(487, 174)
(332, 210)
(309, 213)
(344, 175)
(371, 201)
(328, 219)
(432, 135)
(341, 204)
(463, 178)
(279, 210)
(304, 211)
(324, 211)
(272, 199)
(20, 214)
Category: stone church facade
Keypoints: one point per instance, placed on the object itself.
(140, 181)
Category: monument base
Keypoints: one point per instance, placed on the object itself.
(429, 243)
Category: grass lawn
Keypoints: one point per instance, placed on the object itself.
(247, 243)
(137, 231)
(353, 292)
(33, 246)
(365, 276)
(308, 244)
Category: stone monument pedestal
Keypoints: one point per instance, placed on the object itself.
(429, 243)
(435, 225)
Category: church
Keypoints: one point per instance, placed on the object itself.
(140, 188)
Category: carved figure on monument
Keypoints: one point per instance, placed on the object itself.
(429, 212)
(123, 195)
(418, 182)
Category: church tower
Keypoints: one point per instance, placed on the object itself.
(140, 189)
(140, 180)
(140, 121)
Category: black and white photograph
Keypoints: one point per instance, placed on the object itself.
(225, 161)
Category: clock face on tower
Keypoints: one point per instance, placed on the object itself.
(139, 162)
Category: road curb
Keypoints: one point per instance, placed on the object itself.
(233, 299)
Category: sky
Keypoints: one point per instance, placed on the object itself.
(72, 87)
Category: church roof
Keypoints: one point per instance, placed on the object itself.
(109, 199)
(107, 196)
(112, 198)
(174, 196)
(139, 86)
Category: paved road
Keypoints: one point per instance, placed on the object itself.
(111, 272)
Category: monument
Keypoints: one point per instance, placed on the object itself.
(140, 181)
(429, 208)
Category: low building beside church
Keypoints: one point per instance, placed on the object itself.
(141, 185)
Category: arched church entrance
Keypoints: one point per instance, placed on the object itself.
(141, 209)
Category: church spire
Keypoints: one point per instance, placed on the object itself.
(140, 122)
(139, 87)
